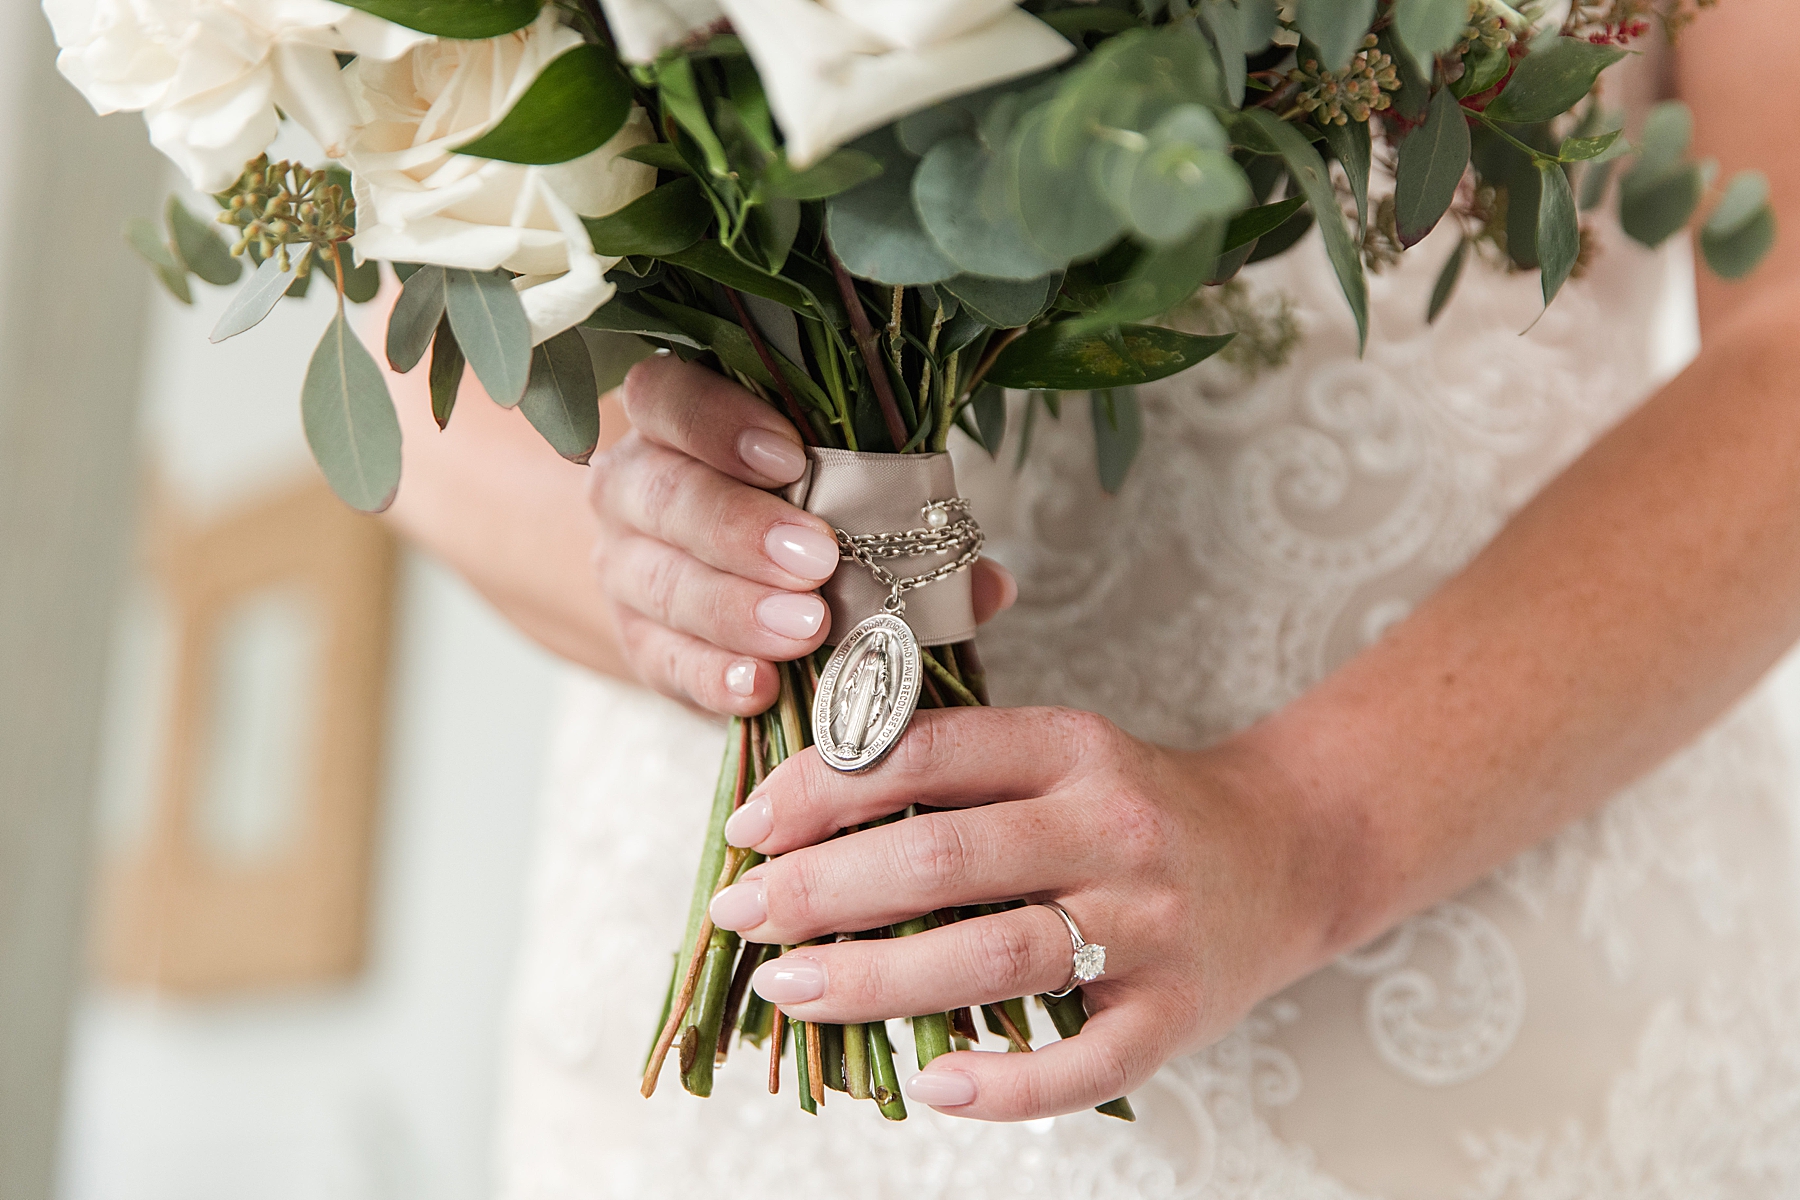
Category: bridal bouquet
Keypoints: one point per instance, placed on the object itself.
(877, 215)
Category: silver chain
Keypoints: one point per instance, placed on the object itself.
(948, 526)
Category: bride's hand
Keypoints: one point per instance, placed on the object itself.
(1203, 875)
(712, 576)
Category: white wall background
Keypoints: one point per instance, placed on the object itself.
(382, 1090)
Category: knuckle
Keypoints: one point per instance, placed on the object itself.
(1109, 1070)
(1003, 952)
(792, 895)
(1085, 730)
(661, 578)
(932, 849)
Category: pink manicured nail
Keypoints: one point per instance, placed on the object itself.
(789, 981)
(740, 906)
(740, 677)
(806, 552)
(769, 454)
(940, 1089)
(751, 823)
(791, 615)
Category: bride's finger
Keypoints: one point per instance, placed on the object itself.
(981, 961)
(895, 872)
(1117, 1050)
(948, 758)
(732, 613)
(701, 413)
(686, 668)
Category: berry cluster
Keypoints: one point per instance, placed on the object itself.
(284, 204)
(1339, 97)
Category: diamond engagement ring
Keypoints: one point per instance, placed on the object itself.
(1090, 957)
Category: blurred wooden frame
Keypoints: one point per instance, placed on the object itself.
(174, 915)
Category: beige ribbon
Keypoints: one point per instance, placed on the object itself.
(880, 493)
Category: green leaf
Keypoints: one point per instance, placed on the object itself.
(1263, 132)
(1667, 132)
(1052, 358)
(446, 373)
(1224, 23)
(492, 330)
(728, 340)
(1651, 212)
(1482, 69)
(142, 236)
(1428, 28)
(1549, 81)
(1586, 149)
(200, 248)
(874, 228)
(1160, 280)
(361, 280)
(656, 224)
(1432, 161)
(1073, 22)
(1558, 228)
(468, 19)
(1336, 27)
(1180, 179)
(680, 95)
(1446, 281)
(1350, 144)
(1064, 214)
(989, 406)
(1593, 183)
(349, 420)
(837, 172)
(661, 155)
(1118, 433)
(572, 108)
(621, 314)
(714, 261)
(1004, 303)
(562, 401)
(258, 297)
(963, 204)
(415, 318)
(1741, 230)
(1254, 223)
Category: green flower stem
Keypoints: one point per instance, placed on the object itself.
(754, 956)
(802, 1073)
(777, 1032)
(1068, 1015)
(705, 1016)
(856, 1061)
(831, 1055)
(931, 1032)
(949, 682)
(815, 1073)
(887, 1081)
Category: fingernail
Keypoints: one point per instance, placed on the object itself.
(791, 615)
(768, 453)
(740, 677)
(940, 1089)
(789, 981)
(751, 823)
(1009, 586)
(740, 906)
(806, 552)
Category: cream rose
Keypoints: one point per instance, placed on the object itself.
(418, 201)
(834, 69)
(208, 74)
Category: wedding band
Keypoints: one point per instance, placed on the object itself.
(1090, 957)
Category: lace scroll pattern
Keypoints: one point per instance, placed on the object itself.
(1586, 1025)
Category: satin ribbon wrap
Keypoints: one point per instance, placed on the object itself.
(883, 493)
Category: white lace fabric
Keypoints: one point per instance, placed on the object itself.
(1614, 1014)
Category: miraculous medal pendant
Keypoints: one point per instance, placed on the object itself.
(867, 693)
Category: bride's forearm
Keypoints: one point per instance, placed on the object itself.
(1619, 613)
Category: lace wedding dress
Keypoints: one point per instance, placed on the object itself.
(1614, 1014)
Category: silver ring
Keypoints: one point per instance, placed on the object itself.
(1090, 957)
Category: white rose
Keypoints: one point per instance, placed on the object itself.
(834, 69)
(208, 74)
(417, 201)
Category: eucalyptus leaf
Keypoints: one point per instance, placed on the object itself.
(362, 281)
(1224, 23)
(1336, 27)
(1159, 281)
(1052, 358)
(1350, 145)
(1663, 143)
(1550, 81)
(259, 295)
(661, 222)
(446, 372)
(963, 204)
(989, 406)
(1254, 223)
(1260, 128)
(1741, 230)
(1432, 161)
(1183, 177)
(415, 318)
(1558, 229)
(732, 345)
(349, 420)
(837, 172)
(1652, 211)
(1445, 286)
(200, 248)
(1593, 183)
(562, 400)
(874, 228)
(1283, 237)
(622, 314)
(777, 324)
(492, 330)
(1004, 303)
(1073, 22)
(1428, 28)
(142, 236)
(1065, 215)
(467, 19)
(572, 108)
(714, 261)
(1118, 434)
